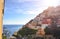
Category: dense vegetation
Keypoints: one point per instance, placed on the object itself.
(26, 31)
(4, 37)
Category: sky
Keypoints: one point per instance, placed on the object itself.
(22, 11)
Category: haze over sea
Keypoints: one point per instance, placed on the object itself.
(12, 28)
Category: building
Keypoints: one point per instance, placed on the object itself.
(1, 15)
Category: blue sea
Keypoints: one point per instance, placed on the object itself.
(12, 28)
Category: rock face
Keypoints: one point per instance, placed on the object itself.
(51, 14)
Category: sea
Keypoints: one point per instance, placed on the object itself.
(11, 28)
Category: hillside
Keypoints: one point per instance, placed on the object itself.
(48, 18)
(44, 17)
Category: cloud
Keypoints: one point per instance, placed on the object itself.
(35, 12)
(20, 1)
(39, 5)
(16, 21)
(27, 7)
(51, 2)
(40, 2)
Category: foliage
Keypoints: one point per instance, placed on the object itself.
(54, 32)
(26, 31)
(48, 31)
(6, 33)
(4, 37)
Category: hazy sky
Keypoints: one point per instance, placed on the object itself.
(21, 11)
